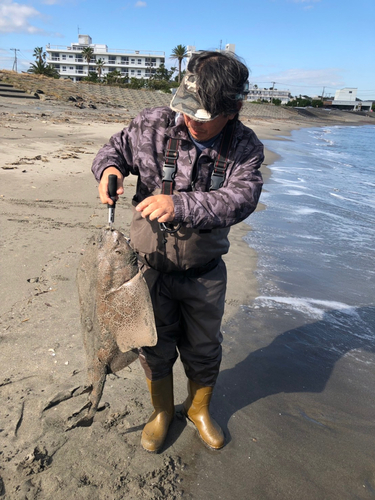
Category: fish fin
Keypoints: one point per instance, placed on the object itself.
(67, 394)
(129, 316)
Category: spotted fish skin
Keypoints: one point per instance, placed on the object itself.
(116, 312)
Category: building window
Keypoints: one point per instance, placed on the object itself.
(63, 57)
(71, 68)
(139, 72)
(132, 61)
(124, 60)
(64, 68)
(132, 72)
(139, 61)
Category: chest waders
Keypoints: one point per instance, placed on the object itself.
(196, 406)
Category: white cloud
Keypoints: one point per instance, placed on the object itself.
(291, 78)
(14, 18)
(141, 4)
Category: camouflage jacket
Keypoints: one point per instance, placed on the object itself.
(205, 215)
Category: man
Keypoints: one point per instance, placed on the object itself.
(197, 168)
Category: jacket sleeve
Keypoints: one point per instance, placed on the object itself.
(233, 202)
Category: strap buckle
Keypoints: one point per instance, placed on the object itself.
(169, 173)
(217, 181)
(167, 227)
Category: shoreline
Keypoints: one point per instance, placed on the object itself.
(49, 207)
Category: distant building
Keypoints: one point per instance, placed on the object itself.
(70, 63)
(256, 94)
(347, 94)
(191, 49)
(346, 99)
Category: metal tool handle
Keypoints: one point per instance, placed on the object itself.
(112, 187)
(112, 191)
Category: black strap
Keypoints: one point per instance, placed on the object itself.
(170, 166)
(221, 163)
(169, 173)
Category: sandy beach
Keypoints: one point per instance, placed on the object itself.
(49, 208)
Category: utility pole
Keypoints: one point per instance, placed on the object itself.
(15, 60)
(323, 93)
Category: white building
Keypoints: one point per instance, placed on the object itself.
(347, 94)
(70, 63)
(346, 99)
(256, 94)
(191, 49)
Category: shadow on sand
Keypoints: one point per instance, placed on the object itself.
(298, 360)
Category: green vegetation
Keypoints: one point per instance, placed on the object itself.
(179, 53)
(304, 101)
(40, 67)
(87, 54)
(160, 80)
(99, 67)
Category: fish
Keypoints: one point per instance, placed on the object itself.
(116, 313)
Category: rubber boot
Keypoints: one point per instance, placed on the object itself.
(155, 431)
(196, 409)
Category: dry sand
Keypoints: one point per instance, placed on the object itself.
(49, 207)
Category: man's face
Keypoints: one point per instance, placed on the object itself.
(204, 131)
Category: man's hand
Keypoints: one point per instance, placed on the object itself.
(160, 207)
(103, 185)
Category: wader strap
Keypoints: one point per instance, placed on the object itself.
(169, 173)
(218, 174)
(170, 166)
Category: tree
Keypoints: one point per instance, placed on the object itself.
(162, 79)
(40, 67)
(39, 54)
(317, 103)
(93, 77)
(99, 67)
(113, 77)
(179, 53)
(87, 54)
(162, 73)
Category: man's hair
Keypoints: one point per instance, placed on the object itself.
(221, 77)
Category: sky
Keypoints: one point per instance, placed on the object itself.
(305, 46)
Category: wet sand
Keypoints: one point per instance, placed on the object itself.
(281, 442)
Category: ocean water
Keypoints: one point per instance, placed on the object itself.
(315, 238)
